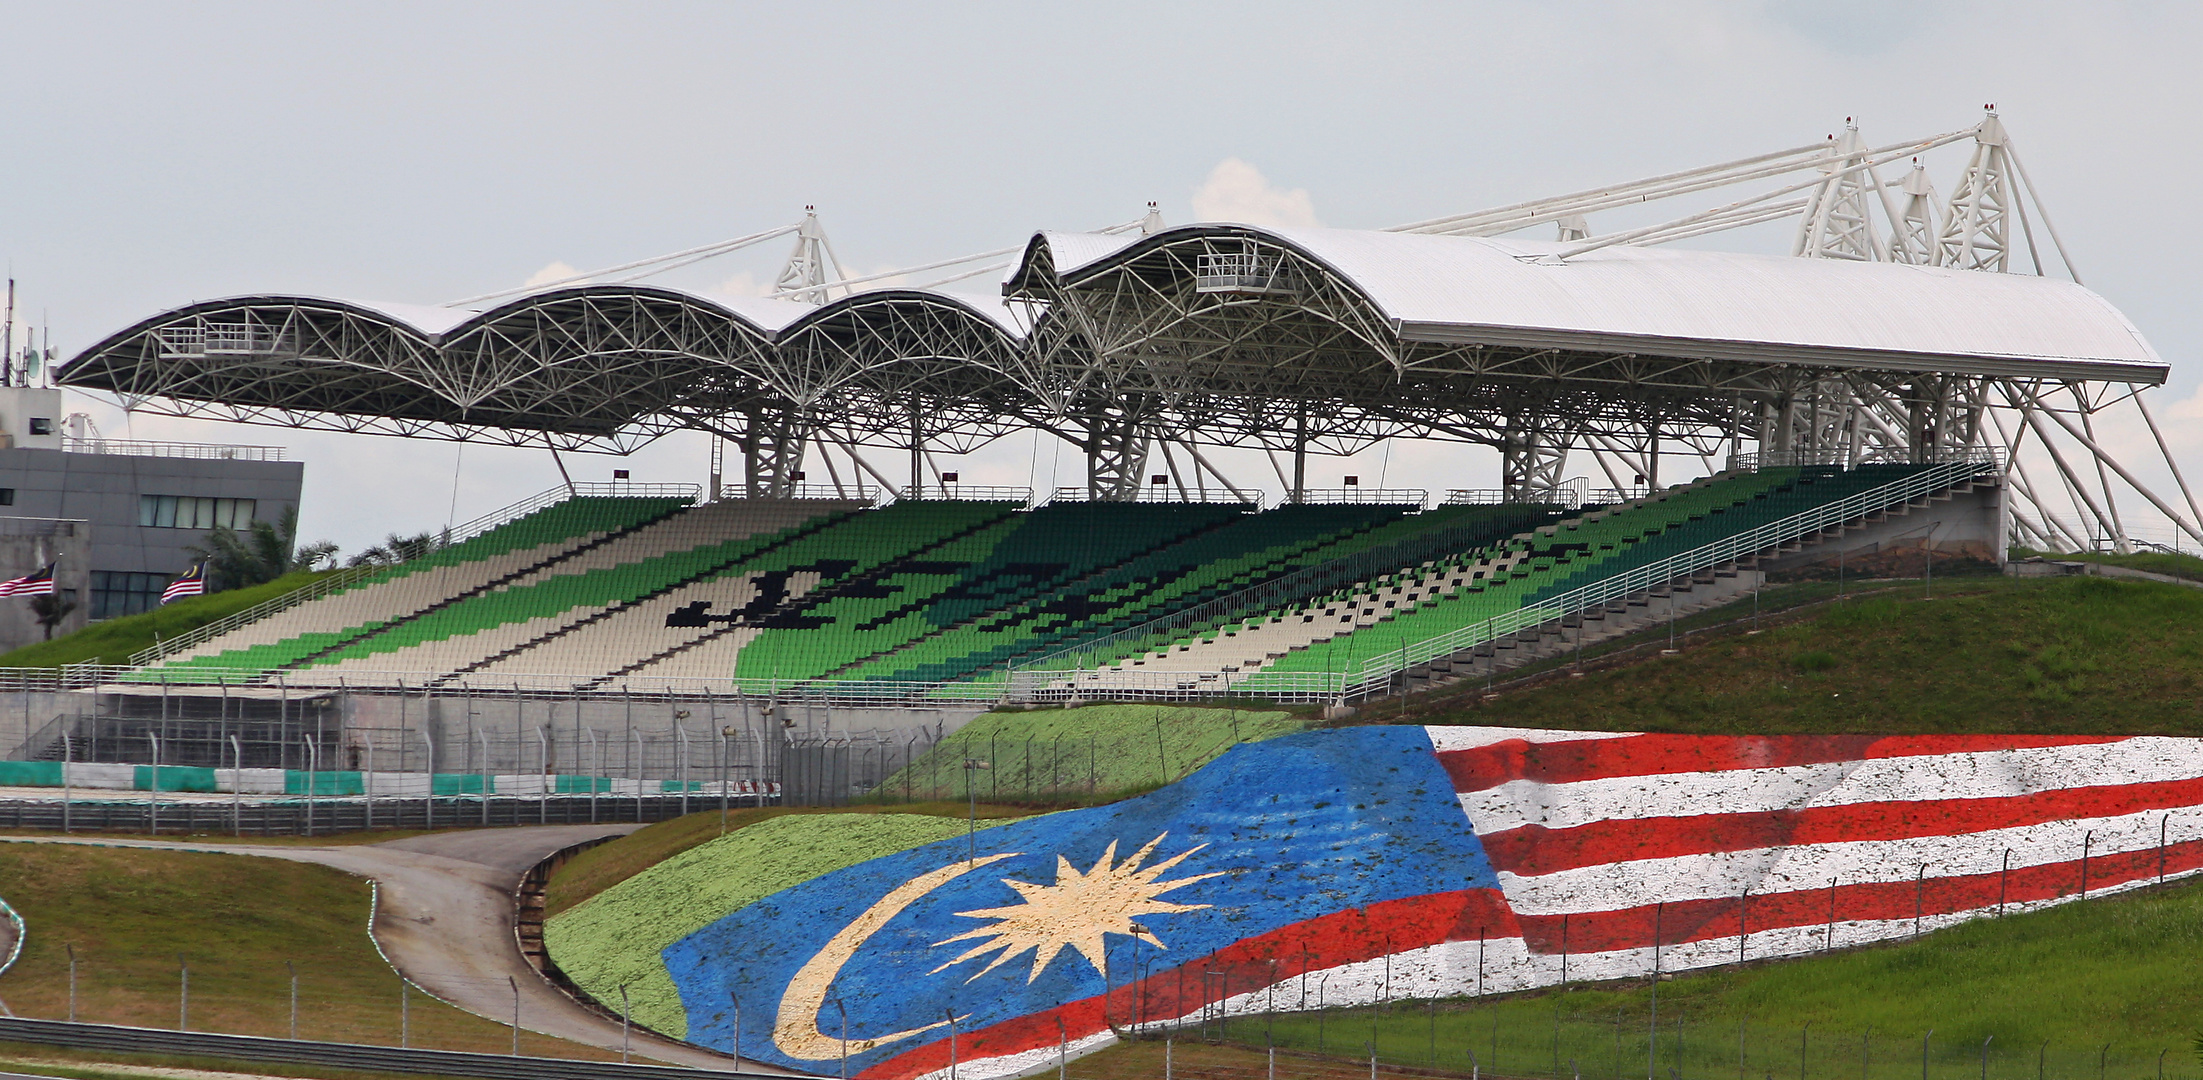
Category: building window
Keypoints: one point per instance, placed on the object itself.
(192, 512)
(7, 496)
(121, 592)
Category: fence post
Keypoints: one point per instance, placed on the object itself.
(428, 789)
(154, 771)
(293, 969)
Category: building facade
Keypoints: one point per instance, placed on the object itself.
(129, 508)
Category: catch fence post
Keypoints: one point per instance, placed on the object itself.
(428, 789)
(154, 771)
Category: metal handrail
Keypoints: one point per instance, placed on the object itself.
(1415, 497)
(334, 581)
(1729, 549)
(339, 580)
(1207, 496)
(144, 448)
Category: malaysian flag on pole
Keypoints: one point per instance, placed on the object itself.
(1373, 864)
(192, 583)
(36, 584)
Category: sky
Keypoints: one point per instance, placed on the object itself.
(418, 153)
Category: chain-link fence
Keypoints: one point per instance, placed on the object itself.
(1548, 1037)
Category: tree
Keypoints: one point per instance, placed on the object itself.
(261, 553)
(51, 608)
(397, 548)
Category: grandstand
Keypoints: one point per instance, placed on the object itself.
(1828, 397)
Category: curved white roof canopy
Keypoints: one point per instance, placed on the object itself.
(1683, 303)
(580, 366)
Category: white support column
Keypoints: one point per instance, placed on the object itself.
(1837, 222)
(1976, 229)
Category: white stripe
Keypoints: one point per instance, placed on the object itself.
(1982, 775)
(1612, 886)
(1444, 739)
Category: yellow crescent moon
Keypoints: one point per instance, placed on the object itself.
(795, 1029)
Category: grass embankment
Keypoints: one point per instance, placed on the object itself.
(2172, 564)
(111, 641)
(57, 1061)
(235, 919)
(1093, 753)
(2065, 655)
(2110, 980)
(601, 867)
(614, 938)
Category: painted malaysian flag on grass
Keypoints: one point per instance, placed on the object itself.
(35, 584)
(192, 583)
(1375, 864)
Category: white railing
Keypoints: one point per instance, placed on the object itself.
(1416, 497)
(334, 581)
(833, 692)
(339, 580)
(1166, 494)
(206, 338)
(1376, 671)
(1847, 457)
(864, 493)
(969, 493)
(199, 451)
(1653, 575)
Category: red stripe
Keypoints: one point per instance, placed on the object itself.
(1707, 920)
(1244, 966)
(1535, 849)
(1485, 767)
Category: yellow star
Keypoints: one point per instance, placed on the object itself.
(1076, 911)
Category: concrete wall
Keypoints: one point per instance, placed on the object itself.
(1974, 525)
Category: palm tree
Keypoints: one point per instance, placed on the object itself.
(51, 608)
(397, 548)
(262, 552)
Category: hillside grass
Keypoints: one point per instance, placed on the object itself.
(130, 912)
(1080, 756)
(2111, 980)
(111, 641)
(601, 867)
(2172, 564)
(614, 939)
(2043, 656)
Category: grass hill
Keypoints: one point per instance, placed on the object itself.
(2040, 655)
(131, 914)
(2110, 982)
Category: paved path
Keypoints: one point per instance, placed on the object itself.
(445, 920)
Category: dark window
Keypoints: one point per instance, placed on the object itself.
(123, 592)
(42, 425)
(189, 512)
(7, 496)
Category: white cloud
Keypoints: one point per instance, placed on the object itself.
(1237, 191)
(743, 284)
(556, 271)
